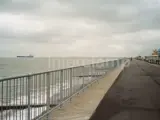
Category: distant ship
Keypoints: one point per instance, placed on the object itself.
(29, 56)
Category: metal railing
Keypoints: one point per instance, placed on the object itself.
(34, 96)
(151, 59)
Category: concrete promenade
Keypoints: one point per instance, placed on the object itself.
(134, 96)
(83, 106)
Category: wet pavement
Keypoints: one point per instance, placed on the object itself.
(134, 96)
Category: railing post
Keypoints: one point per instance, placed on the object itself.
(61, 86)
(29, 96)
(48, 91)
(92, 71)
(95, 70)
(104, 68)
(71, 69)
(118, 62)
(115, 63)
(83, 75)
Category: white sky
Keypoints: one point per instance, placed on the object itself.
(79, 27)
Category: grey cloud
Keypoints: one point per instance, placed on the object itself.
(48, 36)
(19, 5)
(110, 18)
(129, 15)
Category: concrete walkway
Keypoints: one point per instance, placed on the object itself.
(83, 106)
(134, 96)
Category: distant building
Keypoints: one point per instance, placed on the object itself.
(155, 52)
(159, 52)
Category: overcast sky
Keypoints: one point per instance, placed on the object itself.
(79, 27)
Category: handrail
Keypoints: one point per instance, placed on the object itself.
(45, 91)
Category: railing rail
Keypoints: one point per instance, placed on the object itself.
(33, 96)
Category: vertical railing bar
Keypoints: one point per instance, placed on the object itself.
(17, 97)
(29, 102)
(16, 88)
(80, 78)
(59, 79)
(2, 102)
(26, 91)
(36, 91)
(6, 97)
(37, 78)
(14, 100)
(65, 78)
(53, 84)
(79, 72)
(71, 81)
(63, 93)
(23, 94)
(45, 91)
(56, 78)
(79, 82)
(88, 72)
(40, 93)
(92, 72)
(55, 87)
(68, 83)
(34, 94)
(77, 79)
(54, 98)
(83, 77)
(20, 96)
(65, 82)
(42, 90)
(44, 87)
(48, 92)
(10, 98)
(32, 100)
(61, 86)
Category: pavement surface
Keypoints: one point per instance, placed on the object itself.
(134, 96)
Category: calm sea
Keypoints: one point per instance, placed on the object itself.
(20, 66)
(15, 92)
